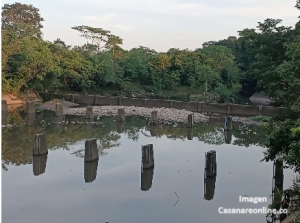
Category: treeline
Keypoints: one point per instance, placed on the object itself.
(216, 71)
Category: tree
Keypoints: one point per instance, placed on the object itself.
(24, 19)
(102, 39)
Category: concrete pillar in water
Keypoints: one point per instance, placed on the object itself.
(90, 171)
(190, 134)
(30, 109)
(121, 115)
(211, 164)
(278, 173)
(30, 118)
(91, 150)
(120, 127)
(228, 123)
(40, 144)
(209, 187)
(39, 164)
(59, 109)
(153, 131)
(89, 112)
(147, 156)
(228, 137)
(146, 178)
(4, 106)
(154, 118)
(190, 120)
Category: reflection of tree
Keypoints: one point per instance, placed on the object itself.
(247, 135)
(17, 141)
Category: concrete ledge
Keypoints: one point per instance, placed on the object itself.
(230, 109)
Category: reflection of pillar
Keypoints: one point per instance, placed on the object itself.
(89, 112)
(228, 123)
(121, 115)
(90, 171)
(30, 109)
(209, 187)
(146, 178)
(30, 117)
(4, 106)
(39, 164)
(154, 117)
(190, 120)
(277, 186)
(40, 145)
(190, 133)
(228, 137)
(120, 127)
(91, 150)
(60, 118)
(211, 163)
(278, 173)
(4, 117)
(153, 131)
(59, 109)
(147, 156)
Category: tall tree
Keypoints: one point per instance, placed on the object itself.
(22, 18)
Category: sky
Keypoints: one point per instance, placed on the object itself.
(159, 24)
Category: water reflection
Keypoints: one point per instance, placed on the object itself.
(153, 130)
(39, 164)
(4, 117)
(190, 132)
(146, 178)
(30, 118)
(90, 171)
(120, 127)
(209, 187)
(179, 172)
(228, 137)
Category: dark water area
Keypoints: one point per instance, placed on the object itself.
(62, 187)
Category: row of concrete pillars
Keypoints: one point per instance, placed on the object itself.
(91, 157)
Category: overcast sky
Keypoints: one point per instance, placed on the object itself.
(159, 24)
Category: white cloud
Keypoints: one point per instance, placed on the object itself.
(123, 27)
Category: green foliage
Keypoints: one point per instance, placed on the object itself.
(261, 118)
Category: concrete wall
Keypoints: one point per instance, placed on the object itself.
(231, 109)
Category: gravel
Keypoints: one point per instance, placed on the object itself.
(164, 114)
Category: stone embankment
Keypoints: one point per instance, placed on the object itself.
(164, 114)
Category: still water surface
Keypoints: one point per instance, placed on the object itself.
(61, 187)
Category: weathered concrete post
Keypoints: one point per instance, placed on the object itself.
(30, 109)
(228, 137)
(89, 112)
(154, 118)
(4, 106)
(190, 134)
(59, 109)
(91, 150)
(228, 123)
(121, 115)
(209, 187)
(147, 156)
(40, 144)
(190, 120)
(260, 109)
(146, 178)
(278, 173)
(30, 117)
(39, 164)
(90, 171)
(211, 164)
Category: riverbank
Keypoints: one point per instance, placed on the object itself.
(164, 114)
